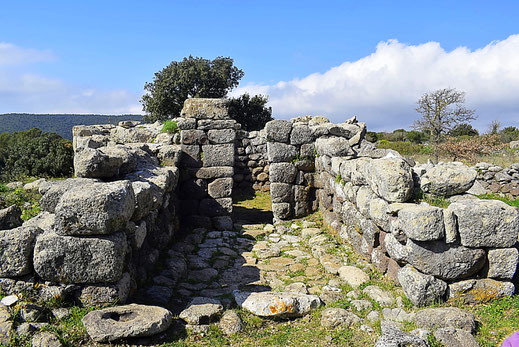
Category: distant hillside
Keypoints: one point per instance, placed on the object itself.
(58, 123)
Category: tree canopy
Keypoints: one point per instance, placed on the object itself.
(34, 153)
(251, 112)
(441, 111)
(193, 77)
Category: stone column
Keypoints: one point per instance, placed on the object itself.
(207, 164)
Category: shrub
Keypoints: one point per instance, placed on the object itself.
(470, 148)
(170, 127)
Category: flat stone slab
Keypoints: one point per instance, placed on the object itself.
(115, 323)
(271, 304)
(201, 311)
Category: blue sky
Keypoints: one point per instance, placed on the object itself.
(95, 56)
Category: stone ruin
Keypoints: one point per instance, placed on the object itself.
(100, 236)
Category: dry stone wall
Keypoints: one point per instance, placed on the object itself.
(251, 162)
(496, 179)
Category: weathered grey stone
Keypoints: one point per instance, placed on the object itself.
(10, 217)
(453, 337)
(379, 295)
(222, 223)
(99, 208)
(451, 226)
(389, 178)
(335, 317)
(447, 262)
(333, 147)
(271, 304)
(221, 136)
(202, 311)
(392, 336)
(282, 173)
(307, 151)
(141, 134)
(395, 249)
(220, 188)
(421, 289)
(205, 108)
(16, 251)
(165, 138)
(105, 162)
(193, 137)
(114, 323)
(281, 192)
(444, 317)
(169, 155)
(486, 223)
(280, 152)
(502, 262)
(215, 207)
(52, 191)
(281, 210)
(353, 276)
(69, 259)
(208, 124)
(106, 294)
(422, 222)
(300, 134)
(278, 131)
(479, 291)
(6, 331)
(190, 156)
(446, 179)
(397, 314)
(46, 339)
(230, 323)
(218, 155)
(214, 172)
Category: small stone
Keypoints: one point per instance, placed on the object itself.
(46, 339)
(202, 311)
(373, 316)
(379, 295)
(353, 276)
(270, 304)
(297, 287)
(9, 300)
(338, 317)
(392, 336)
(230, 323)
(361, 305)
(397, 315)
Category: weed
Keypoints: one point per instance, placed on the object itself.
(170, 127)
(492, 196)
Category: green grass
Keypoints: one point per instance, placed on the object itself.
(498, 319)
(491, 196)
(20, 197)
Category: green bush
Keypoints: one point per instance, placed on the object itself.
(492, 196)
(170, 127)
(404, 148)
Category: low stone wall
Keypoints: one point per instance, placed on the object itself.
(251, 162)
(99, 235)
(495, 179)
(467, 250)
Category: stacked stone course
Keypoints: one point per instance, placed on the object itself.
(251, 166)
(496, 179)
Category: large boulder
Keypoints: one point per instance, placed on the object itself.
(282, 172)
(479, 291)
(446, 179)
(333, 147)
(205, 108)
(115, 323)
(486, 223)
(16, 251)
(445, 261)
(278, 131)
(422, 222)
(280, 152)
(502, 263)
(104, 162)
(218, 155)
(390, 178)
(271, 304)
(97, 208)
(10, 217)
(52, 191)
(421, 289)
(69, 259)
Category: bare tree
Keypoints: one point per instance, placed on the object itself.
(441, 111)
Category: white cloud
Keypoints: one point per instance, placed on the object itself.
(29, 92)
(382, 88)
(14, 55)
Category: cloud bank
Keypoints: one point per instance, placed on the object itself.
(382, 88)
(21, 91)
